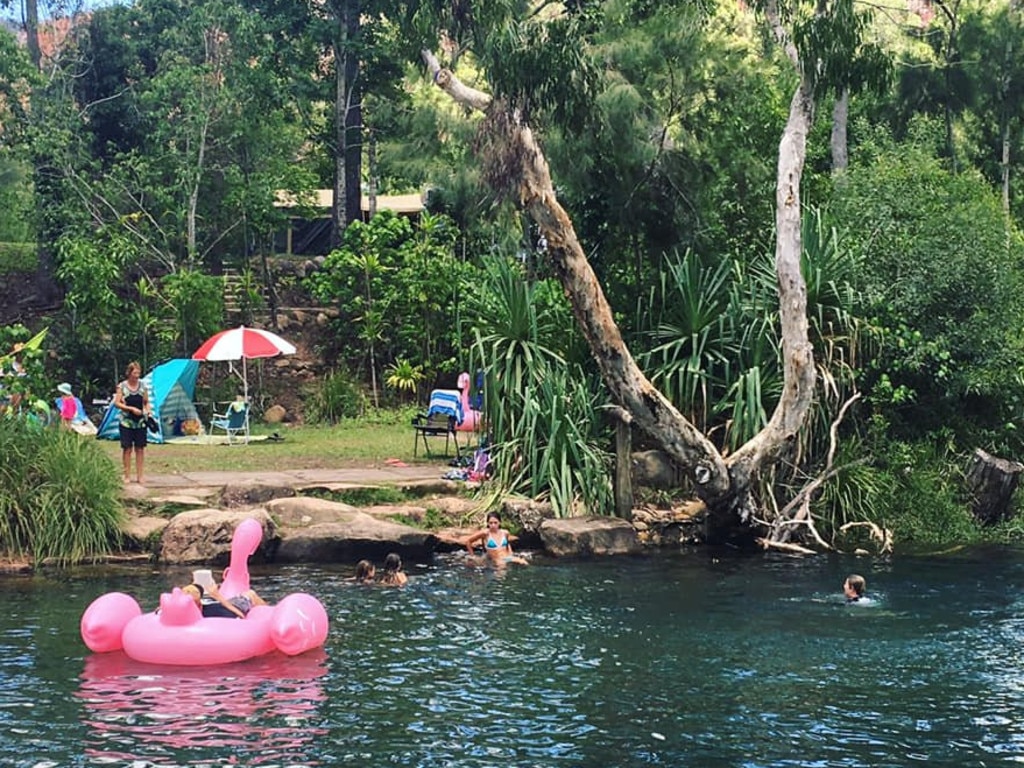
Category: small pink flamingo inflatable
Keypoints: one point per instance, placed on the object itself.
(471, 420)
(178, 634)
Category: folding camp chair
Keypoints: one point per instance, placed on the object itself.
(234, 422)
(443, 414)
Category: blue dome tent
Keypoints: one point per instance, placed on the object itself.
(171, 387)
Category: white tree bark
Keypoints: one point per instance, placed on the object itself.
(724, 484)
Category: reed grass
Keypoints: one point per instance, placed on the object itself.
(60, 498)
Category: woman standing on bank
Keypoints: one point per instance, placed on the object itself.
(133, 403)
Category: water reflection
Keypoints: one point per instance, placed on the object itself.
(265, 710)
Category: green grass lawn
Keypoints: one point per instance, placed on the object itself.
(357, 443)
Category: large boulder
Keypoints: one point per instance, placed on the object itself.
(592, 535)
(139, 531)
(317, 530)
(654, 469)
(275, 414)
(527, 515)
(304, 511)
(360, 536)
(204, 536)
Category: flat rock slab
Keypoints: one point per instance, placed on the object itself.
(580, 536)
(188, 500)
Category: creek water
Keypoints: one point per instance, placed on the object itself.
(695, 659)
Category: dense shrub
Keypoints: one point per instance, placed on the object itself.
(18, 257)
(337, 396)
(925, 504)
(60, 496)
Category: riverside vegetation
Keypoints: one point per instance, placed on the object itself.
(671, 158)
(61, 494)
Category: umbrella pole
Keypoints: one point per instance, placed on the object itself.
(245, 394)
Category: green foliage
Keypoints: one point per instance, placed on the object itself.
(17, 77)
(432, 520)
(31, 382)
(518, 322)
(59, 495)
(939, 276)
(367, 496)
(921, 491)
(535, 62)
(250, 294)
(857, 492)
(18, 257)
(990, 41)
(548, 440)
(403, 376)
(836, 39)
(338, 396)
(710, 330)
(396, 286)
(197, 303)
(542, 412)
(112, 320)
(16, 215)
(916, 490)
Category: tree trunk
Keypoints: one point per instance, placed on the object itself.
(1004, 166)
(992, 482)
(840, 119)
(651, 411)
(338, 221)
(724, 485)
(35, 53)
(353, 117)
(347, 204)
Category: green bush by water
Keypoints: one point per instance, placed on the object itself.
(60, 496)
(926, 504)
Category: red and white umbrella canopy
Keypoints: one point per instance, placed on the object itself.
(243, 343)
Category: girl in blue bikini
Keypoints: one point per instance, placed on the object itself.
(495, 541)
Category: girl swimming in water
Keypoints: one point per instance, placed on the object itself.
(495, 541)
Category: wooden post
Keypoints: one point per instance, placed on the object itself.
(622, 483)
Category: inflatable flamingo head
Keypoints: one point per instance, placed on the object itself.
(244, 542)
(179, 608)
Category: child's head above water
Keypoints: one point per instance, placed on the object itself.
(854, 586)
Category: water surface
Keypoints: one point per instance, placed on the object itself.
(673, 660)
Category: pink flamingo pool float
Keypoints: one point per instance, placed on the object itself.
(472, 420)
(179, 634)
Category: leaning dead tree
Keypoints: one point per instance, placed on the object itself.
(726, 484)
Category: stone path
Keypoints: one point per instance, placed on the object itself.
(190, 482)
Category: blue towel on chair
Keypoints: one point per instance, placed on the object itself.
(447, 402)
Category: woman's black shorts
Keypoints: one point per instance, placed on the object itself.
(132, 437)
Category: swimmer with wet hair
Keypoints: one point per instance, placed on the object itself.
(854, 587)
(365, 572)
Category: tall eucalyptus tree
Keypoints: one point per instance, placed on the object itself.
(537, 66)
(992, 40)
